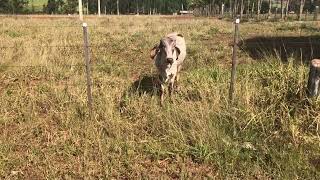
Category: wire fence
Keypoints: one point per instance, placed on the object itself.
(101, 49)
(242, 41)
(245, 41)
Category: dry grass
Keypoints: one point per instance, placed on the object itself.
(272, 130)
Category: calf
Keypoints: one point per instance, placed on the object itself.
(169, 55)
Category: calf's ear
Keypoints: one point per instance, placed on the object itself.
(178, 51)
(174, 42)
(154, 51)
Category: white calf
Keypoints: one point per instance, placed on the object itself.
(169, 56)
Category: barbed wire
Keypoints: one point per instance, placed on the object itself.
(129, 26)
(95, 83)
(43, 26)
(280, 43)
(95, 64)
(40, 66)
(71, 85)
(242, 42)
(40, 46)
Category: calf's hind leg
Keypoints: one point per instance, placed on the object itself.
(177, 78)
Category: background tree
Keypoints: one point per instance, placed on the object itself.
(13, 6)
(51, 7)
(70, 7)
(259, 8)
(118, 8)
(282, 9)
(301, 9)
(4, 6)
(205, 7)
(287, 8)
(241, 8)
(269, 9)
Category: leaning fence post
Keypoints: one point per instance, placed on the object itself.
(316, 11)
(88, 70)
(234, 59)
(314, 78)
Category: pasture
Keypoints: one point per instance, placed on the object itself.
(37, 5)
(271, 130)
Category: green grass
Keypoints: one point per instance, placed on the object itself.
(37, 4)
(271, 130)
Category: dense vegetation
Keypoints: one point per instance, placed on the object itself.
(153, 6)
(270, 132)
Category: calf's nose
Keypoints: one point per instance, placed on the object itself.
(170, 60)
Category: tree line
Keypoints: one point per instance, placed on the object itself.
(256, 7)
(91, 6)
(205, 7)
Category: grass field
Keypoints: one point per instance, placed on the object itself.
(271, 130)
(37, 5)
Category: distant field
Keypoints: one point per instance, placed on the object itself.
(270, 132)
(38, 4)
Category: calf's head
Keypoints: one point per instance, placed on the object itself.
(167, 50)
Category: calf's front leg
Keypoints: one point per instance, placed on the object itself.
(161, 93)
(171, 85)
(176, 82)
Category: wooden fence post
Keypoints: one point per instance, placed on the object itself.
(88, 69)
(315, 17)
(314, 78)
(234, 59)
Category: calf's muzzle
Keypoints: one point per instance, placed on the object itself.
(170, 61)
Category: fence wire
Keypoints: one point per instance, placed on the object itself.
(241, 42)
(95, 48)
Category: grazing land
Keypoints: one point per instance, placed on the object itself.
(270, 131)
(37, 5)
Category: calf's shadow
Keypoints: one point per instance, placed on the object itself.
(145, 85)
